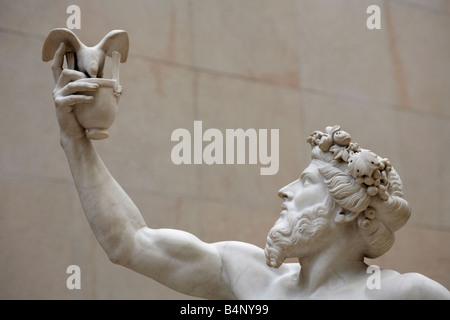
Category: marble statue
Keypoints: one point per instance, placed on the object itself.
(345, 206)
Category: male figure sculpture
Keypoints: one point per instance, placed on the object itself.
(346, 205)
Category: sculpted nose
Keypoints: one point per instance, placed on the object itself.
(285, 194)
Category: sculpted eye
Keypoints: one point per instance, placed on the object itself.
(306, 179)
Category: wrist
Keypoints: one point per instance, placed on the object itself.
(70, 140)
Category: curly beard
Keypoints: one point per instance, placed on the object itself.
(295, 229)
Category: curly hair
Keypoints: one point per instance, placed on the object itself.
(378, 217)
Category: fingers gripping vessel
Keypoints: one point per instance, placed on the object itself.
(98, 116)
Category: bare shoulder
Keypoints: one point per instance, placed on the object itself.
(245, 268)
(412, 286)
(244, 256)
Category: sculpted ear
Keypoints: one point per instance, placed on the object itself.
(345, 216)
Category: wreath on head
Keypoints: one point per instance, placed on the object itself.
(367, 168)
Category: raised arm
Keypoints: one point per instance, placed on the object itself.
(175, 258)
(111, 214)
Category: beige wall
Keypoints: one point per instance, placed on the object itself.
(293, 65)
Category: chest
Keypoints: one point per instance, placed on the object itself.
(290, 290)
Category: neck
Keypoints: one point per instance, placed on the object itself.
(333, 265)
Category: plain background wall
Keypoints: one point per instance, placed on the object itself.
(293, 65)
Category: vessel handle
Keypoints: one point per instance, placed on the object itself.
(115, 71)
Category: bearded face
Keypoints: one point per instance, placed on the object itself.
(297, 233)
(305, 220)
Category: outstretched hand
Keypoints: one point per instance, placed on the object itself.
(66, 95)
